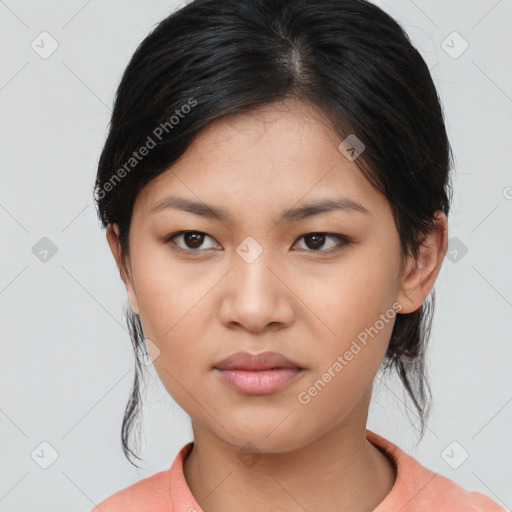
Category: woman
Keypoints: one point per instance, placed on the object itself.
(275, 188)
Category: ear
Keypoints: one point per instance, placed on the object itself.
(115, 246)
(421, 272)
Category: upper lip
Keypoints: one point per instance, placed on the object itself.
(261, 361)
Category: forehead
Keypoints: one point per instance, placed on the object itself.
(269, 159)
(277, 133)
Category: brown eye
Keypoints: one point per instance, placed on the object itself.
(191, 241)
(315, 242)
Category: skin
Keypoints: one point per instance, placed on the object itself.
(295, 298)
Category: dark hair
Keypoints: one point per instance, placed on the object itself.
(348, 59)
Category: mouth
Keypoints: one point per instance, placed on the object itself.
(258, 374)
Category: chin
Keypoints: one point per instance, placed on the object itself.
(265, 437)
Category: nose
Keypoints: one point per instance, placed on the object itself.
(257, 295)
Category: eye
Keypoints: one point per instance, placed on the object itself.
(192, 240)
(315, 241)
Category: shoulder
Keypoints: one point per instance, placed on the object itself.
(155, 493)
(151, 493)
(444, 494)
(419, 489)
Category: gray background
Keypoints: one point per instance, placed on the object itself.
(67, 363)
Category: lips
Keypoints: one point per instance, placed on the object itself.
(255, 362)
(258, 374)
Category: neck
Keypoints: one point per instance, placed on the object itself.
(340, 470)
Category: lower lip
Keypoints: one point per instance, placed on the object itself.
(258, 382)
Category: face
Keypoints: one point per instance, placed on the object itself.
(321, 289)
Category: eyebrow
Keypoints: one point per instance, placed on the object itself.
(290, 215)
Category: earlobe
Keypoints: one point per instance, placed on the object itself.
(112, 234)
(422, 271)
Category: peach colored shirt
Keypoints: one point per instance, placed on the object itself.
(416, 489)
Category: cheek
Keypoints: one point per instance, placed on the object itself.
(356, 304)
(168, 292)
(347, 363)
(183, 360)
(173, 311)
(352, 296)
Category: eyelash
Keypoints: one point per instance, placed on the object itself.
(344, 241)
